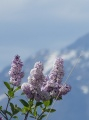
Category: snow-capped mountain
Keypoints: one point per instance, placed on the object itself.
(75, 105)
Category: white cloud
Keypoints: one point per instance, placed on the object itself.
(85, 89)
(69, 55)
(86, 54)
(3, 96)
(50, 60)
(74, 61)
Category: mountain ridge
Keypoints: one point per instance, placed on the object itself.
(81, 43)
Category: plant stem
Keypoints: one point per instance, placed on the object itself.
(8, 103)
(26, 116)
(2, 114)
(7, 107)
(11, 117)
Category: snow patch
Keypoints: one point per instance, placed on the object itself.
(69, 55)
(86, 54)
(85, 89)
(51, 58)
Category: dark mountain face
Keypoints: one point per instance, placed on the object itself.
(75, 105)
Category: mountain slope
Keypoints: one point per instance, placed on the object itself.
(81, 43)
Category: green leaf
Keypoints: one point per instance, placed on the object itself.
(8, 112)
(15, 117)
(7, 85)
(50, 110)
(12, 107)
(35, 113)
(31, 116)
(18, 88)
(16, 107)
(11, 93)
(39, 103)
(30, 102)
(24, 102)
(16, 111)
(25, 109)
(47, 103)
(51, 101)
(0, 107)
(42, 116)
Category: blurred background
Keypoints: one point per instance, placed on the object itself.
(27, 26)
(43, 30)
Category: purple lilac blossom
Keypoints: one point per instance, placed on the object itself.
(27, 90)
(36, 77)
(57, 72)
(15, 72)
(64, 89)
(42, 87)
(54, 85)
(35, 82)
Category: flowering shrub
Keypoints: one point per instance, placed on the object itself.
(40, 90)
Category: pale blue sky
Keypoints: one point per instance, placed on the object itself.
(27, 26)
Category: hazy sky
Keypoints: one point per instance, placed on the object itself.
(27, 26)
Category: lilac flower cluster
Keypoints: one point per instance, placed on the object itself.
(35, 81)
(15, 72)
(57, 72)
(40, 87)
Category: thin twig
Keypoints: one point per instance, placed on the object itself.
(26, 116)
(7, 107)
(2, 114)
(11, 117)
(8, 103)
